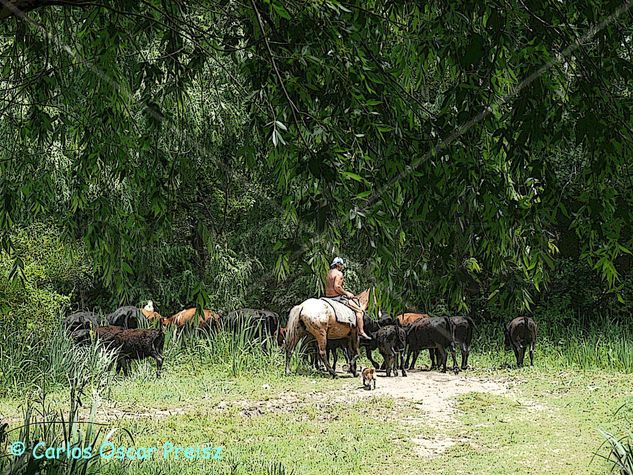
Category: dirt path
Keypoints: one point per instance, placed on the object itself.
(432, 391)
(434, 394)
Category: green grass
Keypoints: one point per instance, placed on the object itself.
(548, 423)
(224, 391)
(603, 346)
(333, 438)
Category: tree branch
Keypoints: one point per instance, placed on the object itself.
(18, 8)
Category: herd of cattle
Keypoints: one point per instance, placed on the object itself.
(399, 340)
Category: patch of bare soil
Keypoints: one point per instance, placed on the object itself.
(432, 391)
(432, 446)
(434, 395)
(110, 414)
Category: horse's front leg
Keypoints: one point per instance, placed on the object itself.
(321, 340)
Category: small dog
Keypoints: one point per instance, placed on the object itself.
(369, 376)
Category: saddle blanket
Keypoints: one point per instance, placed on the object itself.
(343, 313)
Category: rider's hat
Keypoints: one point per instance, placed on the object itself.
(337, 260)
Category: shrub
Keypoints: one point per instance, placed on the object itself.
(39, 281)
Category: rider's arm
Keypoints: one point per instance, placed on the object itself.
(338, 286)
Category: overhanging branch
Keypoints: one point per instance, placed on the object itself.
(9, 8)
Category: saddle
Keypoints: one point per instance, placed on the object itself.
(342, 312)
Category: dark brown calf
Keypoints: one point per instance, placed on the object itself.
(392, 342)
(133, 344)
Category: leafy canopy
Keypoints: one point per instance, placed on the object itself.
(460, 139)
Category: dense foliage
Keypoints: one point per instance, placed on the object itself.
(461, 155)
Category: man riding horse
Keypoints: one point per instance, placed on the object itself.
(334, 290)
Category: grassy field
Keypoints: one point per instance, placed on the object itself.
(491, 419)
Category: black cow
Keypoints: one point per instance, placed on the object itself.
(520, 334)
(333, 347)
(78, 325)
(311, 352)
(463, 329)
(392, 341)
(371, 328)
(433, 333)
(125, 317)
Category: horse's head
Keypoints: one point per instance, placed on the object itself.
(363, 299)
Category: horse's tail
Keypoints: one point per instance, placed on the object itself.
(294, 321)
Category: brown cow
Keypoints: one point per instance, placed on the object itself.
(184, 316)
(406, 319)
(150, 314)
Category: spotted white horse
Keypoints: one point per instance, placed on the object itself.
(317, 317)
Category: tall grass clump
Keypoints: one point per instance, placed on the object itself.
(240, 351)
(79, 438)
(235, 352)
(30, 361)
(620, 448)
(620, 453)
